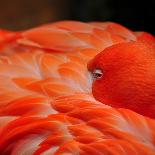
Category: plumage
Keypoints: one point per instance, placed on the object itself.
(128, 79)
(46, 104)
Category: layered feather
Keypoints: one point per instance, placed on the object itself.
(46, 105)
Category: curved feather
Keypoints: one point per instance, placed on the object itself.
(46, 105)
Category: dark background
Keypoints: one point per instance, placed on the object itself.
(23, 14)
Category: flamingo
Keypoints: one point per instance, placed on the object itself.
(46, 101)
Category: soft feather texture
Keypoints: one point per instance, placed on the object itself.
(46, 104)
(128, 77)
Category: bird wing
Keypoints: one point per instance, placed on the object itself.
(74, 124)
(73, 35)
(46, 105)
(52, 59)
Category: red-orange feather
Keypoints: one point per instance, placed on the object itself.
(46, 104)
(128, 76)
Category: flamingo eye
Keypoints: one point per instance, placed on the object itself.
(97, 74)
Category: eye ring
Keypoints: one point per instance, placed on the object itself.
(97, 74)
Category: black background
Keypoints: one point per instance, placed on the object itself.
(23, 14)
(137, 15)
